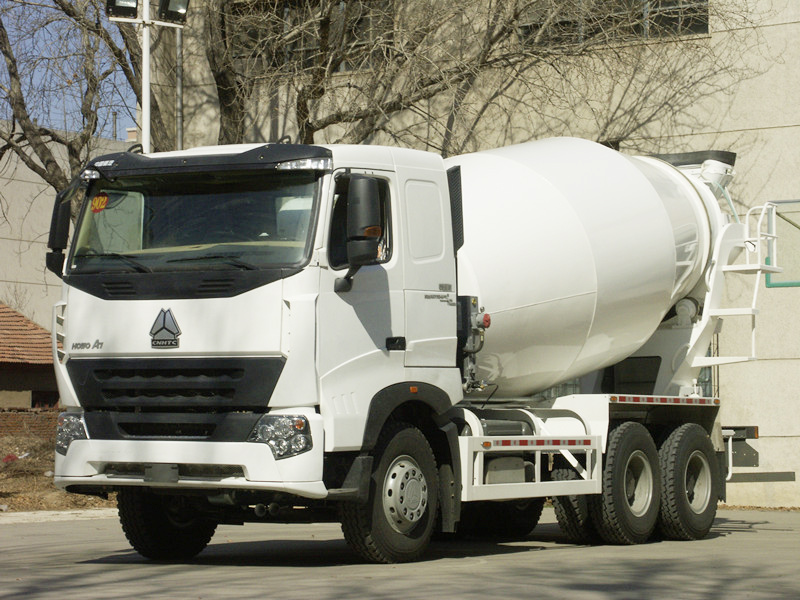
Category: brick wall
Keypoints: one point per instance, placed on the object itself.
(32, 421)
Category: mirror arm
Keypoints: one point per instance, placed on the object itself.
(345, 284)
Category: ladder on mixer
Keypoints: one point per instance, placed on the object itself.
(754, 241)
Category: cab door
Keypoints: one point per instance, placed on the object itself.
(360, 331)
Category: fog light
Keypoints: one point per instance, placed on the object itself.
(70, 428)
(286, 435)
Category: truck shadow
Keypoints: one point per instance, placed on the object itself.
(335, 552)
(320, 553)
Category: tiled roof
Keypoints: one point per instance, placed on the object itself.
(22, 340)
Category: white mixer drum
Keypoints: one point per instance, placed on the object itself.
(577, 252)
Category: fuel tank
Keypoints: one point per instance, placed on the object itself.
(577, 252)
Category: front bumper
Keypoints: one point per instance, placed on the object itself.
(202, 465)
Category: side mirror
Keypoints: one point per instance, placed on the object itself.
(363, 221)
(59, 232)
(363, 227)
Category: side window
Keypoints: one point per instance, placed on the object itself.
(337, 241)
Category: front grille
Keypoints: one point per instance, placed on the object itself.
(168, 430)
(175, 384)
(214, 426)
(184, 470)
(168, 386)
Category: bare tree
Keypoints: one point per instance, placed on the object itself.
(449, 76)
(618, 76)
(445, 75)
(66, 69)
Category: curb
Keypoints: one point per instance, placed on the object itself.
(43, 516)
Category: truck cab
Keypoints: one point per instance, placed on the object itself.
(225, 323)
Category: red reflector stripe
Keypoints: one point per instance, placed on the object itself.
(664, 400)
(543, 442)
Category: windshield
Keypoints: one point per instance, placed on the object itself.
(233, 220)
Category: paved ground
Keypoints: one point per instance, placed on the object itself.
(749, 554)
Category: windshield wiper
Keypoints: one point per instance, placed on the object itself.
(224, 258)
(138, 267)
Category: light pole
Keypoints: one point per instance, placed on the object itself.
(172, 13)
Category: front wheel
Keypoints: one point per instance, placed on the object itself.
(626, 510)
(163, 527)
(396, 523)
(690, 478)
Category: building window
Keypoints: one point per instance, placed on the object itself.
(368, 35)
(581, 21)
(676, 17)
(360, 38)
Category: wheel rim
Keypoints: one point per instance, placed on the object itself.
(638, 483)
(405, 494)
(698, 482)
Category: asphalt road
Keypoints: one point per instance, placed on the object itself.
(748, 554)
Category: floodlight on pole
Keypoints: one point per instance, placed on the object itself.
(125, 9)
(173, 13)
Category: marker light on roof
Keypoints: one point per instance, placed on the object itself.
(306, 164)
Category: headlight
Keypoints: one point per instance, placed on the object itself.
(70, 427)
(286, 435)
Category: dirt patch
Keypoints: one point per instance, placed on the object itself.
(764, 508)
(26, 478)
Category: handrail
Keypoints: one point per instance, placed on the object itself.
(761, 236)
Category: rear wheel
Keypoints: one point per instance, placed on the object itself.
(690, 483)
(396, 523)
(511, 519)
(572, 512)
(163, 527)
(518, 518)
(626, 510)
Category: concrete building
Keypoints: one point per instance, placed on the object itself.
(27, 203)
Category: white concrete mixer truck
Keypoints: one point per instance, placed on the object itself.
(364, 334)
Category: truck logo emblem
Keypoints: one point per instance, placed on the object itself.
(165, 330)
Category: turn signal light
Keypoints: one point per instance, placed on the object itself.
(373, 232)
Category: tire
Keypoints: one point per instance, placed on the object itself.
(572, 512)
(163, 527)
(396, 523)
(690, 484)
(512, 519)
(626, 510)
